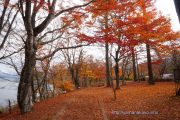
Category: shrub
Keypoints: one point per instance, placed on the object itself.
(67, 86)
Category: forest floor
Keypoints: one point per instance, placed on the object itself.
(135, 101)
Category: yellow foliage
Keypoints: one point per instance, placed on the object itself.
(67, 86)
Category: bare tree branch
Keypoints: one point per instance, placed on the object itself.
(6, 56)
(8, 31)
(58, 49)
(52, 15)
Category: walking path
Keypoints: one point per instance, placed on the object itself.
(135, 101)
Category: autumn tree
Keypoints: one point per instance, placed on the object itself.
(142, 24)
(151, 28)
(113, 28)
(30, 12)
(74, 58)
(92, 72)
(101, 11)
(120, 21)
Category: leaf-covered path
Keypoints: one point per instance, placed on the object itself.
(135, 101)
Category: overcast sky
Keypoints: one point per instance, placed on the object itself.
(167, 8)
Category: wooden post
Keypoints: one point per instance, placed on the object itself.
(177, 80)
(9, 106)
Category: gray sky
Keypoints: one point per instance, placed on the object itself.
(168, 9)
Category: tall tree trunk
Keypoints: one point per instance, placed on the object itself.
(123, 75)
(177, 5)
(116, 69)
(76, 83)
(150, 72)
(108, 76)
(134, 65)
(138, 75)
(24, 96)
(107, 65)
(72, 75)
(125, 63)
(77, 79)
(123, 71)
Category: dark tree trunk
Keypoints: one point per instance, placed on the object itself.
(123, 75)
(177, 5)
(107, 66)
(24, 95)
(134, 65)
(77, 83)
(150, 72)
(77, 76)
(108, 74)
(123, 71)
(116, 68)
(33, 92)
(74, 76)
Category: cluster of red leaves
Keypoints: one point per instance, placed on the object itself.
(137, 21)
(85, 104)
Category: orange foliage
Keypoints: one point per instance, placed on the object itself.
(137, 21)
(93, 69)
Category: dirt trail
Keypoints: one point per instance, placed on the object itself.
(84, 104)
(101, 104)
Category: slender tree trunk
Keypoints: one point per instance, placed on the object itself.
(116, 69)
(134, 65)
(123, 75)
(72, 75)
(108, 76)
(138, 75)
(44, 91)
(107, 66)
(76, 83)
(125, 63)
(33, 92)
(150, 72)
(76, 79)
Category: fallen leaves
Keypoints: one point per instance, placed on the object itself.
(131, 98)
